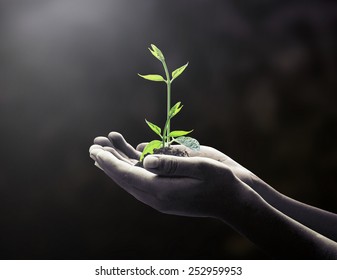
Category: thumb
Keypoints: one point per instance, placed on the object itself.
(173, 166)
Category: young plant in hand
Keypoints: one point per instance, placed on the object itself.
(167, 137)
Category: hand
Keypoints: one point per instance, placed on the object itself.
(191, 186)
(116, 144)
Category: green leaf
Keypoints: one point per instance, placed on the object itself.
(177, 133)
(157, 53)
(153, 77)
(154, 127)
(188, 142)
(176, 73)
(155, 144)
(175, 110)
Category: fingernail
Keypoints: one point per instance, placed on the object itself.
(151, 162)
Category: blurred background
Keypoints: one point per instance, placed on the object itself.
(260, 86)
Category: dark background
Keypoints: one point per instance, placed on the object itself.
(261, 87)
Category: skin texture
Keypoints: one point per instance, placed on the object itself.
(210, 184)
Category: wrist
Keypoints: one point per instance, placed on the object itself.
(243, 203)
(269, 194)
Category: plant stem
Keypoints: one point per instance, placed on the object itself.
(167, 125)
(165, 133)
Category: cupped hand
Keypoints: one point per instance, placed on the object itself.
(189, 186)
(116, 144)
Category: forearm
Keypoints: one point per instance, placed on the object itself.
(278, 234)
(317, 219)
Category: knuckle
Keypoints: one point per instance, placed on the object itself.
(169, 166)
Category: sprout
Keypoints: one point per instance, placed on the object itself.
(166, 135)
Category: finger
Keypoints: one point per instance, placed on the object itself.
(129, 177)
(141, 146)
(119, 143)
(173, 166)
(94, 146)
(102, 141)
(94, 150)
(119, 155)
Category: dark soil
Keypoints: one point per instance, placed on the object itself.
(166, 151)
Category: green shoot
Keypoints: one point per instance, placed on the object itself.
(168, 136)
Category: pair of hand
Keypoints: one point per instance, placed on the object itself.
(206, 184)
(210, 184)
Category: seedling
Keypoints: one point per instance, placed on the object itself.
(167, 137)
